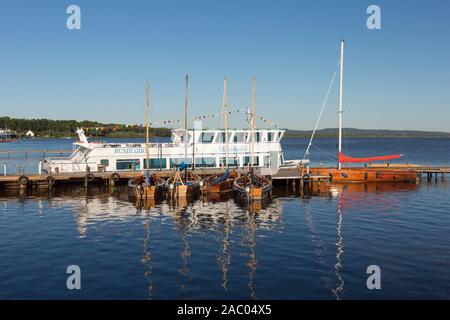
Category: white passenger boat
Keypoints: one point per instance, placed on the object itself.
(205, 148)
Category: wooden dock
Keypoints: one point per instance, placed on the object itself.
(291, 176)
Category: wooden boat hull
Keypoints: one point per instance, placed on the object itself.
(180, 188)
(254, 193)
(184, 191)
(224, 186)
(145, 191)
(366, 174)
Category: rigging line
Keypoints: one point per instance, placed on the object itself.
(321, 110)
(328, 155)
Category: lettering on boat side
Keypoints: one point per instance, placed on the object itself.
(73, 21)
(129, 150)
(74, 280)
(374, 280)
(374, 20)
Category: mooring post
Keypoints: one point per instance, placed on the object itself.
(40, 167)
(4, 168)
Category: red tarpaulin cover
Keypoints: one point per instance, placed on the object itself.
(344, 158)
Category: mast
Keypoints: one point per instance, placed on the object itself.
(341, 106)
(225, 117)
(253, 121)
(186, 117)
(146, 126)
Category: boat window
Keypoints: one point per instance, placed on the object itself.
(239, 137)
(205, 162)
(207, 137)
(104, 162)
(128, 164)
(175, 162)
(248, 162)
(232, 162)
(221, 137)
(159, 163)
(248, 136)
(270, 136)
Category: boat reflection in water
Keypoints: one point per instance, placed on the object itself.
(222, 213)
(235, 230)
(349, 196)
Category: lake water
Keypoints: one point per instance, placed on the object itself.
(313, 247)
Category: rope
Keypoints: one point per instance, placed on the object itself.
(321, 111)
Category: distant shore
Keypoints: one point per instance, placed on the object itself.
(47, 129)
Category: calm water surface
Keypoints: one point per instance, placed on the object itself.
(315, 247)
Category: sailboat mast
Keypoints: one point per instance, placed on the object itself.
(225, 117)
(253, 121)
(146, 125)
(186, 117)
(341, 106)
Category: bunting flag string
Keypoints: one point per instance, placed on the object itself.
(180, 121)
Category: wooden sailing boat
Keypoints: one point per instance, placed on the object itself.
(221, 183)
(184, 183)
(361, 174)
(147, 186)
(252, 187)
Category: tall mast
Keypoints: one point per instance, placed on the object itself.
(146, 125)
(225, 117)
(253, 120)
(186, 117)
(341, 106)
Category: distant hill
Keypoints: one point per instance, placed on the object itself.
(367, 133)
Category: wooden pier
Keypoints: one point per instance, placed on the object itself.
(290, 176)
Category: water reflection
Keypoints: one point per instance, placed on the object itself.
(147, 257)
(233, 221)
(339, 250)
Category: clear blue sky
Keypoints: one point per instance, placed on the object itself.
(396, 78)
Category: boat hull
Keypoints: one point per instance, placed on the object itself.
(366, 174)
(254, 193)
(224, 186)
(184, 191)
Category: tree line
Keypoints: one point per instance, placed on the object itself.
(66, 128)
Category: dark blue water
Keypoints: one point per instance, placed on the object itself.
(315, 247)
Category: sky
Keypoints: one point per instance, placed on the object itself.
(397, 77)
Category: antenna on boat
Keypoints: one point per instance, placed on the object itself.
(186, 117)
(147, 132)
(253, 120)
(225, 117)
(341, 106)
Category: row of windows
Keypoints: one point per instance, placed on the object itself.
(161, 163)
(208, 137)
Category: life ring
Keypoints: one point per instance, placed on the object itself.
(90, 177)
(23, 180)
(50, 181)
(115, 177)
(306, 177)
